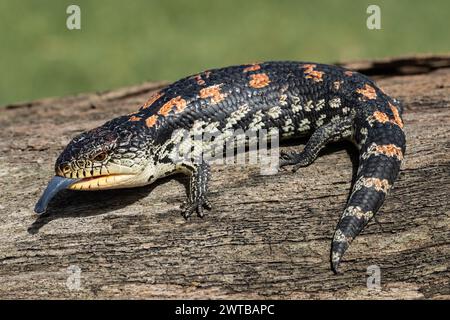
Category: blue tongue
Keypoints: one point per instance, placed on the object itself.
(54, 186)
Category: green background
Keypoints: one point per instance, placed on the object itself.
(128, 42)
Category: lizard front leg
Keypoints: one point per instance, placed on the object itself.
(198, 188)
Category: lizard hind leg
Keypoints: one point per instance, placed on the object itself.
(330, 132)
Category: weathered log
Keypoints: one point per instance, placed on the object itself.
(266, 237)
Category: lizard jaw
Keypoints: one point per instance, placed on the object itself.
(104, 182)
(58, 183)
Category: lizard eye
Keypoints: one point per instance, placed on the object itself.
(100, 157)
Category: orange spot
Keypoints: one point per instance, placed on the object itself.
(212, 92)
(150, 121)
(252, 67)
(381, 117)
(390, 150)
(397, 118)
(134, 118)
(308, 66)
(178, 102)
(259, 80)
(199, 80)
(368, 182)
(152, 99)
(348, 73)
(380, 185)
(311, 73)
(180, 105)
(368, 92)
(199, 77)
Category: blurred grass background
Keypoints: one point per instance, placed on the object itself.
(128, 42)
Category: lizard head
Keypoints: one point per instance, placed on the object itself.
(104, 159)
(108, 157)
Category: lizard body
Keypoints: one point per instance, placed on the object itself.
(326, 103)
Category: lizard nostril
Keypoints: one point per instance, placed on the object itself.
(65, 168)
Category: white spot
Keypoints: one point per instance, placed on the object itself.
(364, 132)
(355, 211)
(335, 118)
(212, 126)
(335, 257)
(296, 105)
(320, 105)
(347, 133)
(257, 123)
(274, 112)
(309, 105)
(288, 127)
(319, 121)
(335, 103)
(283, 99)
(237, 115)
(304, 125)
(340, 237)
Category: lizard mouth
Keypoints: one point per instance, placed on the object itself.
(103, 182)
(58, 183)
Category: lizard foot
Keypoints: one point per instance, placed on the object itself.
(290, 158)
(189, 207)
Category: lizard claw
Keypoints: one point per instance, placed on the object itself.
(288, 158)
(188, 208)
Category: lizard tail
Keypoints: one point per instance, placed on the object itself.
(381, 141)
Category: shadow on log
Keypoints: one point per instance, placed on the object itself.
(266, 237)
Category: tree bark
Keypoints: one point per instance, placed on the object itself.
(266, 236)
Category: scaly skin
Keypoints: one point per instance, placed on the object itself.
(325, 102)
